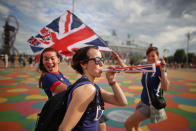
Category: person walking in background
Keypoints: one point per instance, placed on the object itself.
(20, 60)
(12, 60)
(6, 61)
(88, 62)
(30, 60)
(157, 80)
(51, 79)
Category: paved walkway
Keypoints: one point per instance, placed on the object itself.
(21, 100)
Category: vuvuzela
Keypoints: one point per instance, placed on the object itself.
(137, 68)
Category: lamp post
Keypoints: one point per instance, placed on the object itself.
(188, 39)
(166, 51)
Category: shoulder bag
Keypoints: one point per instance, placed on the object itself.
(156, 115)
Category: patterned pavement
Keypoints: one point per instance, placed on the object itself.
(21, 100)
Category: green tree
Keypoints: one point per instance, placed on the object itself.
(135, 59)
(192, 58)
(170, 59)
(180, 56)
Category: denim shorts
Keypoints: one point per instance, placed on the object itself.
(143, 109)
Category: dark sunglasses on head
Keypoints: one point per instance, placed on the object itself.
(97, 60)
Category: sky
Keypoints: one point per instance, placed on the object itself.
(164, 23)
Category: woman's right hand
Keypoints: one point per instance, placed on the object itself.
(110, 75)
(115, 55)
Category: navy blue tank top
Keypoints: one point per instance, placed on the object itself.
(91, 121)
(153, 82)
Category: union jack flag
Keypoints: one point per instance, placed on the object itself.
(65, 34)
(137, 68)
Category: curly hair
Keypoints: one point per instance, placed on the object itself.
(80, 57)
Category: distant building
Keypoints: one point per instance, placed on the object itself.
(126, 47)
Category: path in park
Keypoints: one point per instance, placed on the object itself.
(21, 100)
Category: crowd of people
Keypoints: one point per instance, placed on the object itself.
(14, 61)
(89, 62)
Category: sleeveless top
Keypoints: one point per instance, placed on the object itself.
(91, 120)
(154, 84)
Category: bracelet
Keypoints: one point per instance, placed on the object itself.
(112, 83)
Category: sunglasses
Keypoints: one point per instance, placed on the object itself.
(97, 60)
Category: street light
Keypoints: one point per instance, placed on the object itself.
(166, 52)
(188, 38)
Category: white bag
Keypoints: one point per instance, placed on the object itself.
(157, 115)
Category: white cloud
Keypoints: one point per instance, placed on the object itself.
(174, 34)
(4, 10)
(21, 41)
(149, 21)
(118, 4)
(172, 39)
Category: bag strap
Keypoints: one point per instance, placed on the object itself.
(150, 102)
(161, 89)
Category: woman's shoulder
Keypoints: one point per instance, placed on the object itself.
(158, 70)
(49, 74)
(86, 89)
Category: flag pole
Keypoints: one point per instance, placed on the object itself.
(73, 6)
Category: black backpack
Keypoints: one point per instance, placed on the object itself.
(53, 111)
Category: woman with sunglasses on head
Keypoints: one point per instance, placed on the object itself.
(88, 62)
(157, 80)
(51, 80)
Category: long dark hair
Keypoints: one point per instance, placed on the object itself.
(41, 65)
